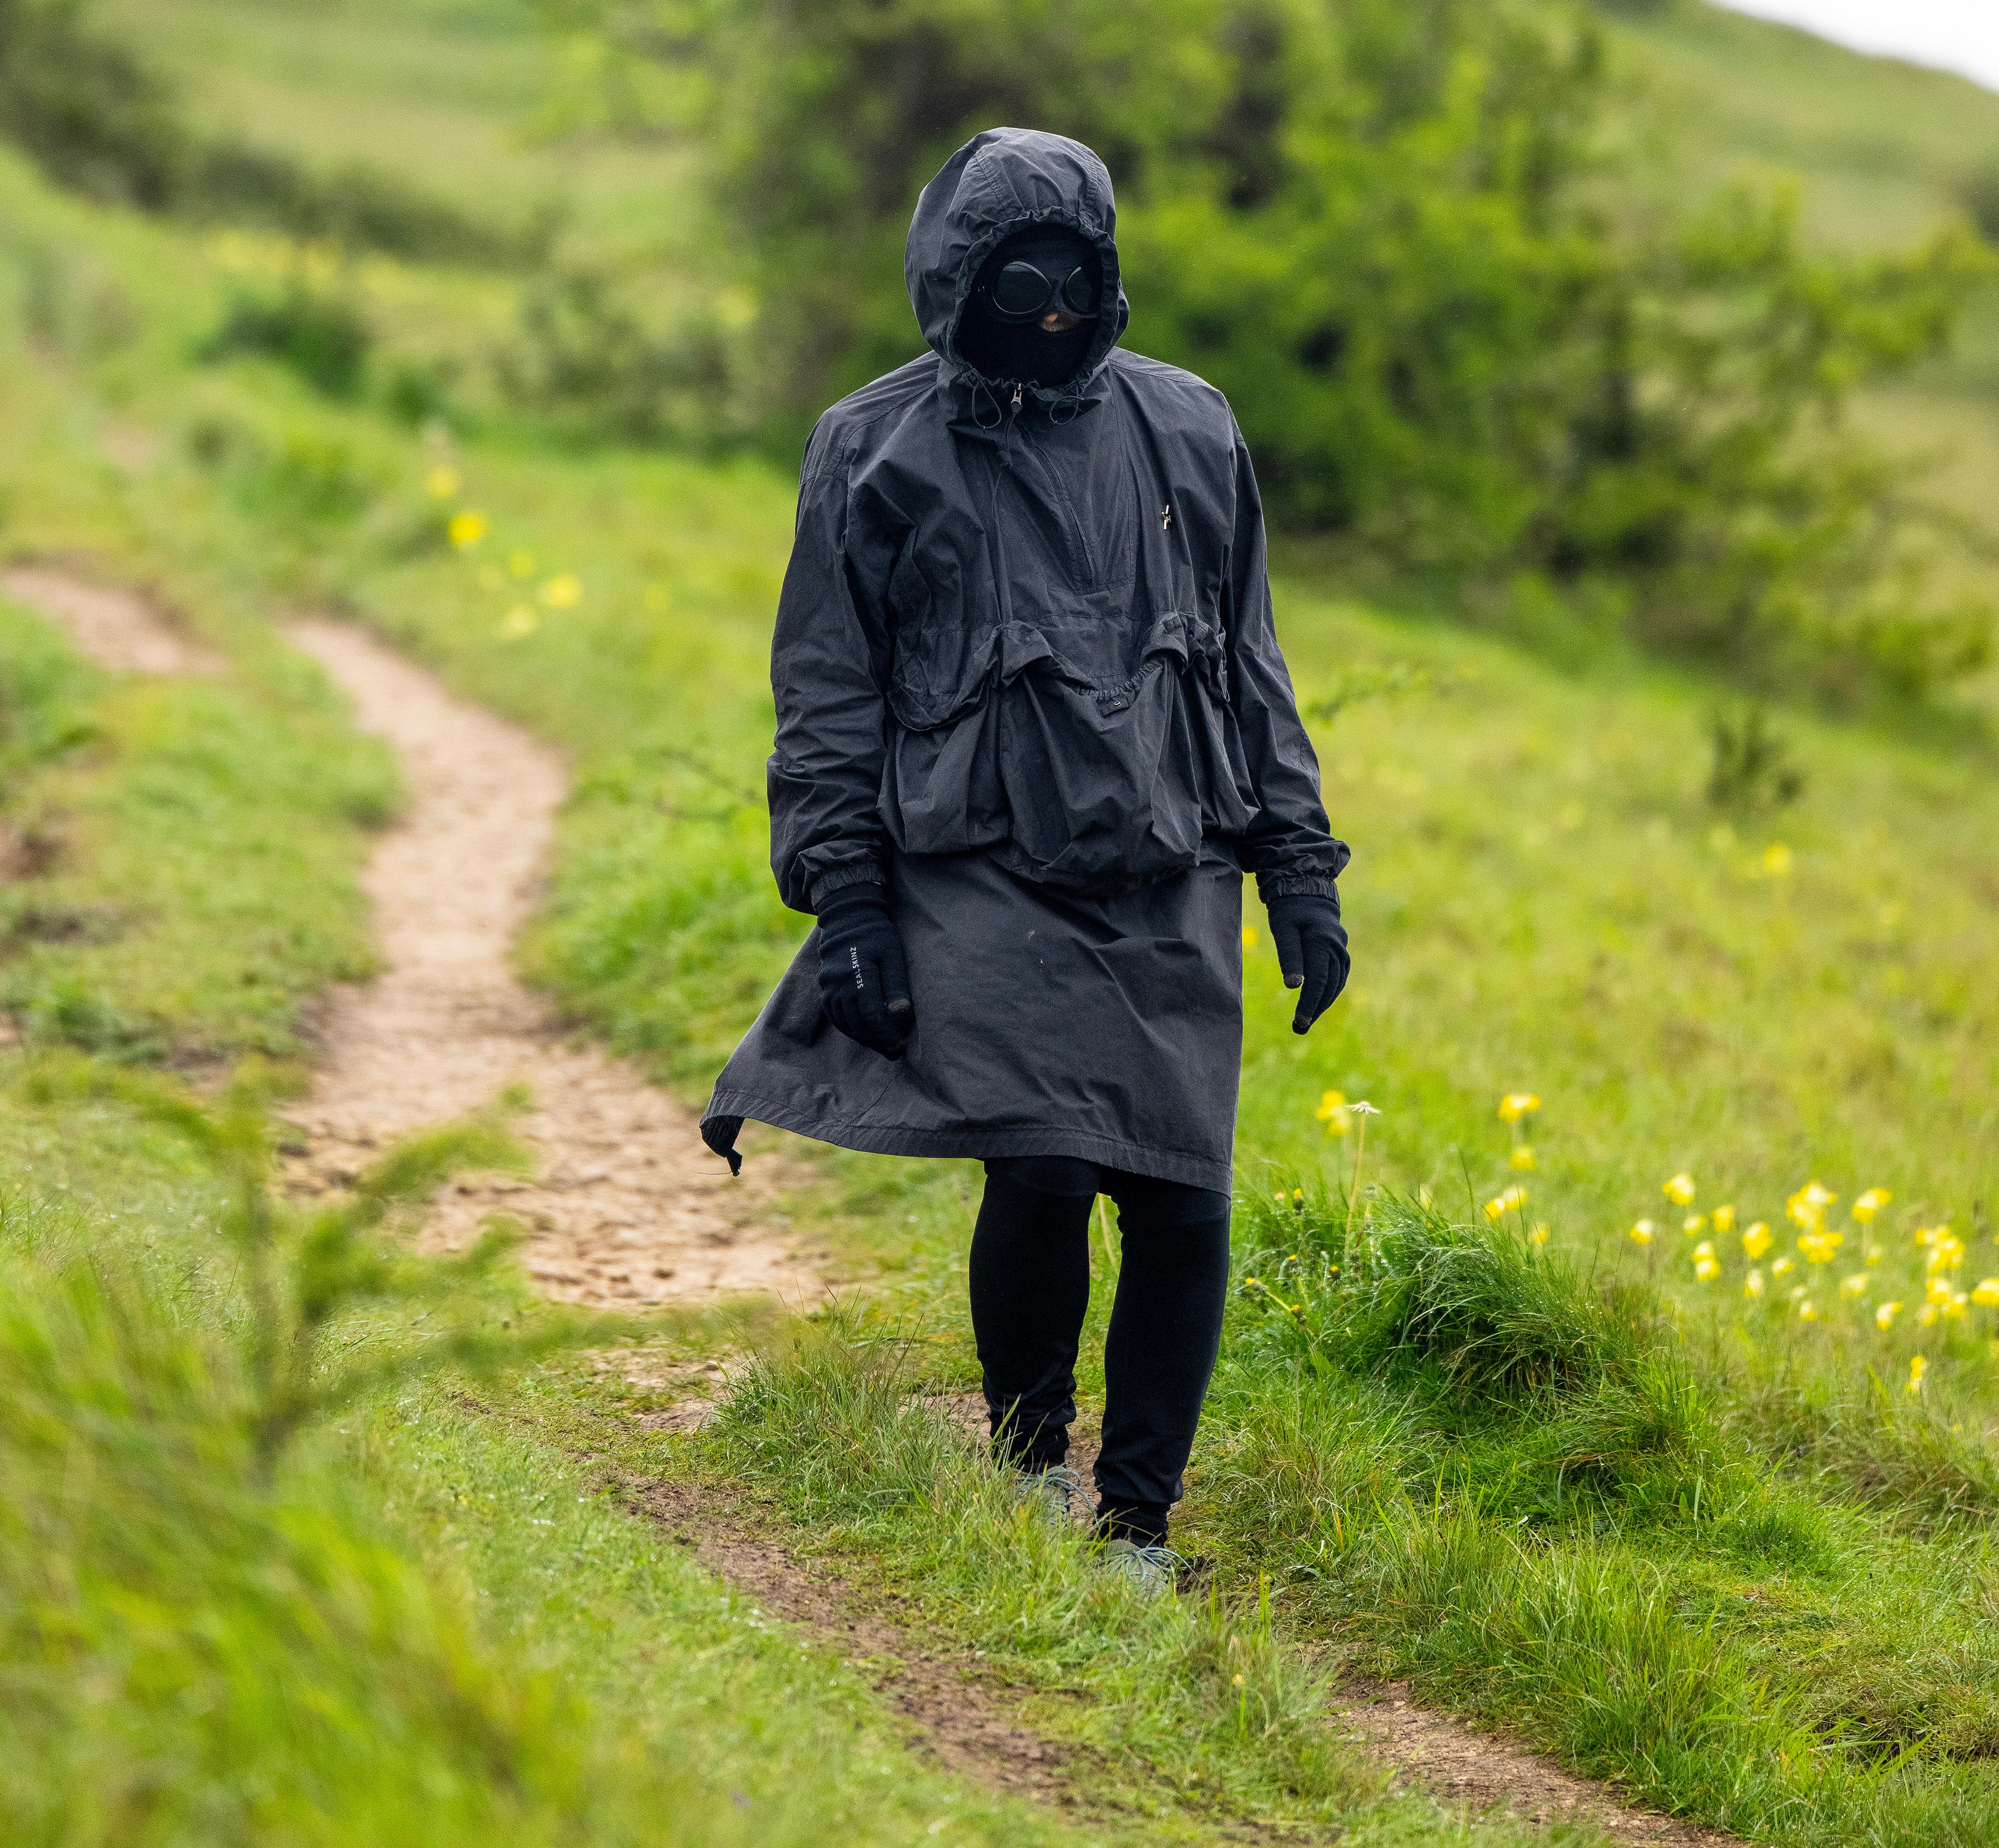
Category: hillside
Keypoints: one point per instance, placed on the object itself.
(1592, 1424)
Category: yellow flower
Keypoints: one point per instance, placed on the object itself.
(1333, 1112)
(1757, 1240)
(1927, 1314)
(1693, 1224)
(1885, 1315)
(1954, 1307)
(1870, 1203)
(520, 563)
(1946, 1254)
(1280, 1196)
(1807, 1311)
(1504, 1203)
(1522, 1159)
(1517, 1104)
(1926, 1235)
(1249, 936)
(1855, 1286)
(1298, 1199)
(1538, 1236)
(518, 621)
(1679, 1190)
(441, 482)
(1752, 1286)
(1776, 859)
(1724, 1219)
(1937, 1289)
(1873, 1255)
(1784, 1264)
(1706, 1270)
(465, 529)
(1986, 1294)
(1816, 1248)
(1807, 1207)
(1641, 1232)
(563, 591)
(1917, 1368)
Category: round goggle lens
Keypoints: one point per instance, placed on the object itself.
(1020, 288)
(1076, 292)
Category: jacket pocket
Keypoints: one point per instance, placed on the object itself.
(1072, 782)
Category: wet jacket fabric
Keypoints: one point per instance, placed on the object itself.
(1025, 675)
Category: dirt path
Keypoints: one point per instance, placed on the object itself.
(627, 1206)
(113, 628)
(1480, 1772)
(953, 1712)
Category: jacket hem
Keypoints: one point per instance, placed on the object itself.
(977, 1144)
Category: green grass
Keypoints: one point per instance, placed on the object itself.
(427, 1631)
(1535, 1505)
(1190, 1714)
(1459, 1456)
(193, 846)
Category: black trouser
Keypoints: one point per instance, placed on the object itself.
(1030, 1289)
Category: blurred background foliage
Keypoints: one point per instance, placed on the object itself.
(1485, 335)
(1462, 328)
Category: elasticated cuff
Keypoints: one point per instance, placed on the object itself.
(840, 877)
(1298, 885)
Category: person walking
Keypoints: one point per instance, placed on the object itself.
(1033, 728)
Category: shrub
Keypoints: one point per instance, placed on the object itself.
(596, 354)
(93, 113)
(1392, 232)
(321, 336)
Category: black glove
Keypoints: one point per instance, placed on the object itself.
(1311, 951)
(862, 977)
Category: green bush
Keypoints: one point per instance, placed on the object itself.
(322, 337)
(594, 353)
(1390, 229)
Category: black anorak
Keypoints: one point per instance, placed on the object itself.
(1026, 678)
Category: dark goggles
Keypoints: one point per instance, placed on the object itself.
(1023, 292)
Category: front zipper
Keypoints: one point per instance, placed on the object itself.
(1055, 495)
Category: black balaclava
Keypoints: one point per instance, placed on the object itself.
(1026, 347)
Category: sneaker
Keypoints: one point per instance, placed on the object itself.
(1153, 1569)
(1050, 1493)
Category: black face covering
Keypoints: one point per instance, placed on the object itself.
(1033, 282)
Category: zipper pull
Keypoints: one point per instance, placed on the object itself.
(1016, 400)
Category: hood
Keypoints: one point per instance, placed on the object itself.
(1000, 181)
